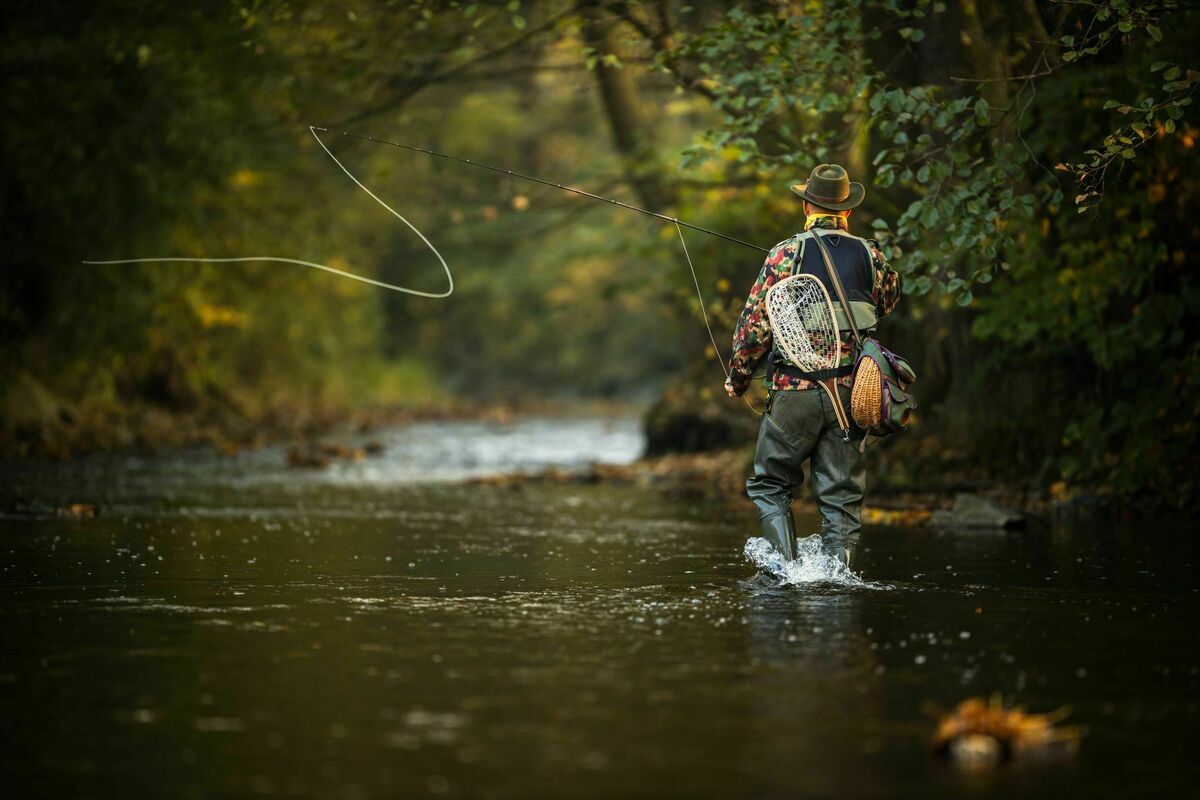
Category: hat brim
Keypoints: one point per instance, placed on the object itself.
(857, 193)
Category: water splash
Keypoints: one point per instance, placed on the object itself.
(811, 564)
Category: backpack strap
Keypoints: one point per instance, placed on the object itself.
(831, 268)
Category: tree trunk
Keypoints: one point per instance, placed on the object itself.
(987, 46)
(632, 136)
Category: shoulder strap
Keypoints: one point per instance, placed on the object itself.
(831, 268)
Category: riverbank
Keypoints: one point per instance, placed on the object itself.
(70, 433)
(959, 499)
(912, 479)
(37, 424)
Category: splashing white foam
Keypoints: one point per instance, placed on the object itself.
(811, 564)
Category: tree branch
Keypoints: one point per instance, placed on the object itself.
(409, 87)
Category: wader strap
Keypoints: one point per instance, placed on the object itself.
(779, 365)
(823, 374)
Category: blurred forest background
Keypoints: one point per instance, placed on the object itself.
(1031, 169)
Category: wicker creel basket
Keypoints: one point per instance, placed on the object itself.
(866, 399)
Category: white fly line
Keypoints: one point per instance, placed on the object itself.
(353, 276)
(804, 327)
(704, 313)
(445, 267)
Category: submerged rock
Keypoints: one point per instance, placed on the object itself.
(974, 511)
(681, 423)
(318, 456)
(307, 458)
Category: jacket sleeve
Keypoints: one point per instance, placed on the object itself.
(886, 289)
(752, 336)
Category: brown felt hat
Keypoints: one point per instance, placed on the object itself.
(830, 187)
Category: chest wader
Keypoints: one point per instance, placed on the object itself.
(803, 425)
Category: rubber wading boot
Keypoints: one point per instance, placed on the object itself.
(780, 530)
(844, 555)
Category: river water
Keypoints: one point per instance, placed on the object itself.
(229, 627)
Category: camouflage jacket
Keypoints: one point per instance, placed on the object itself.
(752, 337)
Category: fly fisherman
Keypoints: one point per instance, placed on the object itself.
(800, 422)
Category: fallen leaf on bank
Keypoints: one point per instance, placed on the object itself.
(896, 517)
(79, 511)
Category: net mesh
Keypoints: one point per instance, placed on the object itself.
(802, 322)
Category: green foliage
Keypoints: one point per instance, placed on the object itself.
(101, 149)
(188, 138)
(138, 128)
(1100, 303)
(770, 96)
(966, 184)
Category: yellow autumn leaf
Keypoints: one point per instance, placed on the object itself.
(214, 316)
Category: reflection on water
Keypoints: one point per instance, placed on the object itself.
(231, 628)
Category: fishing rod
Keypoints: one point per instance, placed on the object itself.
(544, 182)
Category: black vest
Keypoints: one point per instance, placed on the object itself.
(849, 254)
(853, 262)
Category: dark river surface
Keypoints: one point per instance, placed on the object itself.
(229, 627)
